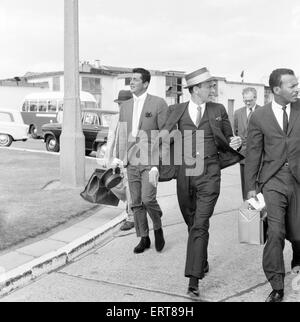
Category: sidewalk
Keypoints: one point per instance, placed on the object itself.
(111, 272)
(42, 226)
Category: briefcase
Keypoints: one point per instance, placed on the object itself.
(252, 225)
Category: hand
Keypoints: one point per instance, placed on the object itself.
(153, 176)
(116, 163)
(103, 163)
(251, 194)
(235, 142)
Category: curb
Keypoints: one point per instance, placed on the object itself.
(26, 273)
(38, 151)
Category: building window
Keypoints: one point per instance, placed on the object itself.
(174, 88)
(56, 84)
(127, 81)
(91, 85)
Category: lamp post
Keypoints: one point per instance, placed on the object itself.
(72, 142)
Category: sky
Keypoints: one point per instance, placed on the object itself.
(226, 36)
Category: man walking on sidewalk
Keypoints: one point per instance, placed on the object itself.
(198, 194)
(241, 121)
(138, 118)
(110, 156)
(273, 159)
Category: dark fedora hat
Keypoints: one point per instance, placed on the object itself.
(111, 178)
(123, 96)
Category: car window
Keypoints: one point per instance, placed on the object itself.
(90, 119)
(42, 107)
(5, 117)
(60, 106)
(52, 106)
(33, 106)
(25, 106)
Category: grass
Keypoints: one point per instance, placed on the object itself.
(26, 209)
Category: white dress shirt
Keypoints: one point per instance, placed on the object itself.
(193, 110)
(278, 111)
(138, 104)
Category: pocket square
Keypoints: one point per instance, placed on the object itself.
(219, 119)
(148, 114)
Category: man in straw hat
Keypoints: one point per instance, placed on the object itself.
(198, 192)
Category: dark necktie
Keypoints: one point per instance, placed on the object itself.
(199, 116)
(285, 120)
(250, 114)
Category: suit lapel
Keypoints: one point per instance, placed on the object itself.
(244, 117)
(175, 116)
(295, 111)
(144, 109)
(129, 111)
(211, 115)
(273, 118)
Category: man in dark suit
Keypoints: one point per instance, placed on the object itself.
(241, 121)
(198, 192)
(139, 117)
(273, 161)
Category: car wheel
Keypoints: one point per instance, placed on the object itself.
(101, 149)
(33, 132)
(5, 140)
(51, 144)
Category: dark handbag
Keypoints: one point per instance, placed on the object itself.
(96, 191)
(167, 172)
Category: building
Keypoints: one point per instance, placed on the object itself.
(230, 94)
(104, 82)
(13, 91)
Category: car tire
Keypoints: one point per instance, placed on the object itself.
(51, 144)
(5, 140)
(33, 132)
(101, 149)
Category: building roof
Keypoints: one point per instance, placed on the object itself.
(22, 83)
(246, 84)
(103, 70)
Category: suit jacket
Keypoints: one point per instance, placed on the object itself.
(220, 125)
(268, 147)
(241, 127)
(153, 117)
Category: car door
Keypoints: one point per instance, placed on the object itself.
(91, 126)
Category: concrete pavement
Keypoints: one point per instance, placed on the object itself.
(110, 271)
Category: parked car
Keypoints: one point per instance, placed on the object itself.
(95, 125)
(12, 127)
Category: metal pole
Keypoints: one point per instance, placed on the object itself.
(72, 142)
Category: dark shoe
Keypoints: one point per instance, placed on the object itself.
(127, 225)
(144, 244)
(275, 296)
(193, 291)
(159, 239)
